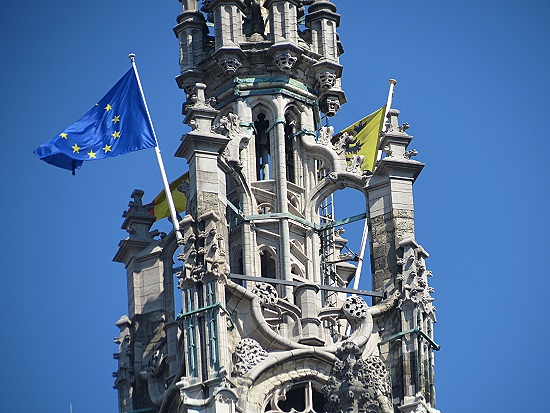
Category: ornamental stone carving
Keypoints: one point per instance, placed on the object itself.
(357, 385)
(249, 354)
(333, 177)
(267, 293)
(355, 163)
(285, 61)
(157, 363)
(413, 276)
(344, 140)
(124, 376)
(404, 127)
(330, 105)
(410, 153)
(229, 65)
(204, 250)
(355, 308)
(185, 188)
(325, 135)
(228, 126)
(393, 115)
(326, 79)
(137, 204)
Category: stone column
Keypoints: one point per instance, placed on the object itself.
(191, 32)
(228, 33)
(398, 265)
(323, 20)
(150, 302)
(279, 168)
(308, 301)
(391, 204)
(205, 251)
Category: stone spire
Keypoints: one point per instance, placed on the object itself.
(267, 321)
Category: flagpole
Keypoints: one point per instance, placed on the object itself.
(389, 101)
(173, 215)
(366, 226)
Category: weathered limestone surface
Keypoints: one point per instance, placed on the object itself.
(387, 230)
(266, 322)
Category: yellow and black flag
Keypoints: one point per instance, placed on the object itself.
(366, 133)
(160, 208)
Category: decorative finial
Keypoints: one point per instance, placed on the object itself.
(132, 57)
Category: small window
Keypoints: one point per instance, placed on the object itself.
(263, 148)
(290, 130)
(267, 264)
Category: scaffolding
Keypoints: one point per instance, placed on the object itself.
(327, 247)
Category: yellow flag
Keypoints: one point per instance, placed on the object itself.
(160, 203)
(366, 133)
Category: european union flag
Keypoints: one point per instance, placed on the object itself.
(117, 124)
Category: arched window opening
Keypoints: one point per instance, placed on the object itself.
(237, 264)
(301, 397)
(263, 148)
(267, 264)
(290, 130)
(341, 244)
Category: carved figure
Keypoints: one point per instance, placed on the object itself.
(254, 23)
(326, 79)
(330, 105)
(325, 135)
(229, 126)
(355, 163)
(137, 204)
(356, 384)
(410, 153)
(344, 140)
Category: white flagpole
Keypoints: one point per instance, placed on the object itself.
(366, 226)
(167, 191)
(389, 101)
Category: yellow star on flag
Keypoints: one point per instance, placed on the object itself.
(108, 107)
(63, 135)
(76, 148)
(116, 134)
(107, 148)
(116, 119)
(92, 154)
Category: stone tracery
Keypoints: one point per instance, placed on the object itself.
(271, 80)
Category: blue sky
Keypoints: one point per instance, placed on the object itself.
(472, 82)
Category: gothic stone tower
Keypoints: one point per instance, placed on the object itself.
(267, 322)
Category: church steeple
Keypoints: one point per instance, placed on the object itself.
(268, 321)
